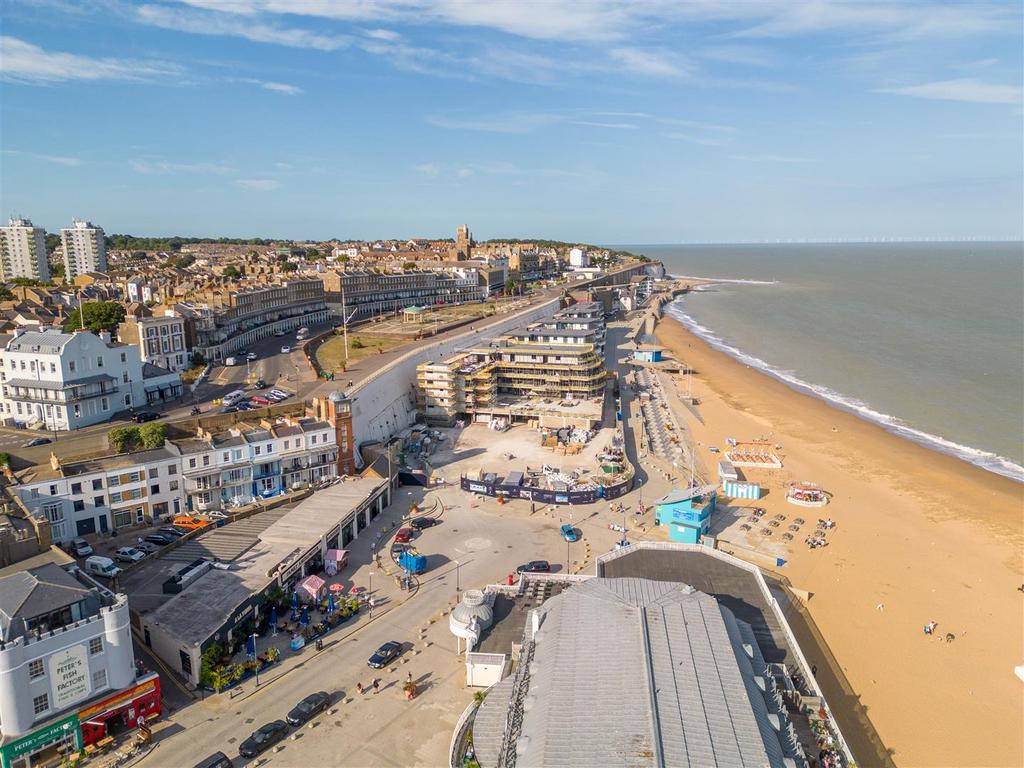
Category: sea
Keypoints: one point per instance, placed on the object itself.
(926, 339)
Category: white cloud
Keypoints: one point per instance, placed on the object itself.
(965, 89)
(163, 166)
(257, 185)
(27, 63)
(383, 34)
(655, 63)
(206, 23)
(464, 173)
(291, 90)
(430, 170)
(617, 126)
(504, 122)
(71, 162)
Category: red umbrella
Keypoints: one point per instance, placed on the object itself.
(337, 587)
(354, 590)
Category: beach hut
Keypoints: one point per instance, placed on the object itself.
(741, 490)
(727, 472)
(686, 513)
(311, 587)
(335, 560)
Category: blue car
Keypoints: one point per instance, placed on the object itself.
(569, 533)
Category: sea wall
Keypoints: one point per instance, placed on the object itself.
(385, 402)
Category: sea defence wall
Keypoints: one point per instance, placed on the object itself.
(385, 402)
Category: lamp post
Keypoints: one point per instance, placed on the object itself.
(457, 585)
(255, 623)
(369, 596)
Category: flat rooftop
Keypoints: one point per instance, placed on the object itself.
(212, 599)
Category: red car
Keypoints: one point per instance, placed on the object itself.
(260, 400)
(404, 535)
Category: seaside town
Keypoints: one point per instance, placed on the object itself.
(261, 496)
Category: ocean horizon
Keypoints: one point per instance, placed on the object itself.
(923, 338)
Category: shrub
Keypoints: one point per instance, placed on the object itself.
(357, 343)
(152, 435)
(123, 439)
(5, 459)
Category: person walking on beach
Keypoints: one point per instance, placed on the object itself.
(359, 688)
(376, 686)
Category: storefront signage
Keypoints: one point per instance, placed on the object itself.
(118, 699)
(66, 729)
(69, 671)
(477, 488)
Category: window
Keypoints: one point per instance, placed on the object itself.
(312, 439)
(227, 456)
(95, 646)
(97, 485)
(286, 445)
(113, 481)
(172, 469)
(78, 411)
(206, 461)
(79, 505)
(40, 704)
(105, 404)
(270, 447)
(53, 367)
(53, 490)
(76, 487)
(124, 377)
(36, 669)
(140, 515)
(99, 679)
(258, 450)
(99, 361)
(173, 485)
(123, 358)
(98, 501)
(191, 463)
(122, 518)
(154, 489)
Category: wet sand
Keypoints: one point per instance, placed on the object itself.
(920, 537)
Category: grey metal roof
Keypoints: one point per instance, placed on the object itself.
(57, 386)
(50, 341)
(632, 672)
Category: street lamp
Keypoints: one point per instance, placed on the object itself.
(457, 586)
(255, 623)
(369, 596)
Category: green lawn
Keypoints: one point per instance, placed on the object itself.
(331, 354)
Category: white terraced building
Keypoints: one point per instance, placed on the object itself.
(63, 381)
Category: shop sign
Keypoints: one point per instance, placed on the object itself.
(477, 488)
(118, 699)
(69, 671)
(62, 729)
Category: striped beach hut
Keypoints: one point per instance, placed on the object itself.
(737, 490)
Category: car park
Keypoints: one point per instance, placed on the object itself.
(569, 533)
(308, 708)
(404, 535)
(263, 738)
(160, 539)
(143, 416)
(285, 350)
(535, 566)
(81, 548)
(37, 441)
(419, 523)
(128, 555)
(385, 654)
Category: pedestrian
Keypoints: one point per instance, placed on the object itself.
(359, 688)
(376, 686)
(410, 677)
(814, 670)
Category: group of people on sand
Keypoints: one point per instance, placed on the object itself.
(931, 626)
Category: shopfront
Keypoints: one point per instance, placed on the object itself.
(43, 747)
(121, 711)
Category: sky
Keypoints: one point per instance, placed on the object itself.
(653, 121)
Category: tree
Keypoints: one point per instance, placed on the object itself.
(510, 286)
(152, 435)
(5, 293)
(409, 265)
(231, 271)
(198, 359)
(313, 254)
(57, 270)
(183, 262)
(99, 316)
(123, 439)
(289, 266)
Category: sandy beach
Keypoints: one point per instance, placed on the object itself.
(920, 537)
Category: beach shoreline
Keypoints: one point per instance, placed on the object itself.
(921, 536)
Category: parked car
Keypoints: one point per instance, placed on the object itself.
(143, 416)
(229, 409)
(98, 565)
(285, 350)
(385, 654)
(535, 566)
(250, 356)
(172, 531)
(128, 555)
(280, 333)
(216, 760)
(260, 384)
(308, 708)
(260, 400)
(81, 548)
(713, 449)
(186, 523)
(37, 441)
(160, 539)
(146, 546)
(569, 533)
(263, 738)
(404, 535)
(419, 523)
(280, 393)
(245, 406)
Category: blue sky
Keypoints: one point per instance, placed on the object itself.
(652, 121)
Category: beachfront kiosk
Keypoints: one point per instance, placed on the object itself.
(686, 512)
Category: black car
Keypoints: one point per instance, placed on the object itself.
(308, 708)
(419, 523)
(159, 539)
(143, 416)
(264, 738)
(37, 441)
(385, 654)
(216, 760)
(535, 566)
(170, 530)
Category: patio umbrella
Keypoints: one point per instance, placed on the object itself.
(295, 605)
(354, 590)
(304, 621)
(339, 587)
(273, 620)
(250, 646)
(330, 603)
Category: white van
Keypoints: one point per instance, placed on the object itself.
(234, 397)
(101, 566)
(230, 361)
